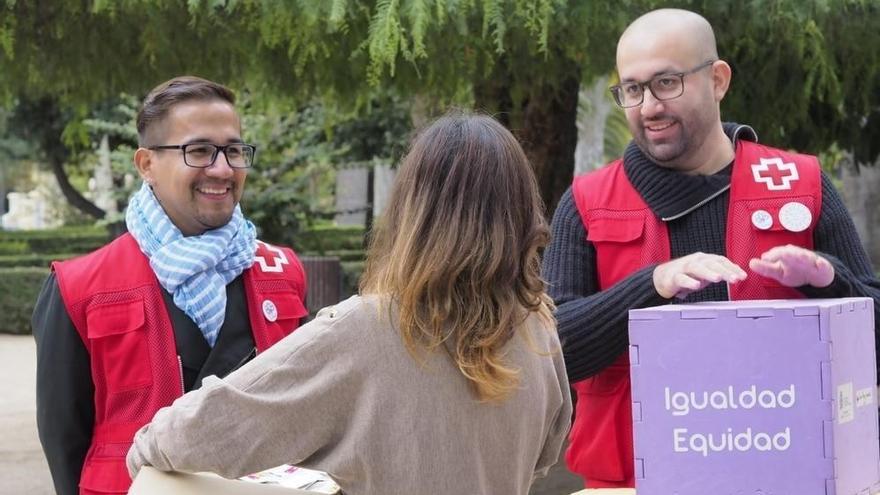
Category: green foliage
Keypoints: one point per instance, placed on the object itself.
(16, 155)
(47, 242)
(40, 260)
(351, 276)
(780, 63)
(19, 288)
(13, 247)
(337, 49)
(12, 147)
(323, 240)
(806, 72)
(299, 150)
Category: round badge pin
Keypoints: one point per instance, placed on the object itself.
(269, 310)
(762, 219)
(795, 217)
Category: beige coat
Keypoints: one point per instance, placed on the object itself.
(342, 395)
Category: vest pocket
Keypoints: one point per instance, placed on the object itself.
(619, 245)
(600, 442)
(118, 345)
(288, 309)
(104, 476)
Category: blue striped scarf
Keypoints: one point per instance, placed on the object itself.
(194, 269)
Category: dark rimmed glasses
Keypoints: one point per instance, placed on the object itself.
(203, 155)
(663, 87)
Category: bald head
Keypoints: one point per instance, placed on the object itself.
(686, 35)
(668, 63)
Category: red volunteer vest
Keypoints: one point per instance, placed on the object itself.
(775, 199)
(116, 305)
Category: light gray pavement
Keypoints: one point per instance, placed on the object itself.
(23, 470)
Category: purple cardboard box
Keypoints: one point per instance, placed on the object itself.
(755, 398)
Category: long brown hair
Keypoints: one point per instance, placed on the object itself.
(456, 250)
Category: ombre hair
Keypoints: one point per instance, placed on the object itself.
(456, 251)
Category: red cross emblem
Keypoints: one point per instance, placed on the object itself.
(275, 255)
(774, 173)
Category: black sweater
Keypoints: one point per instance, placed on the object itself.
(592, 324)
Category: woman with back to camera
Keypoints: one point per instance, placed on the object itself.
(443, 376)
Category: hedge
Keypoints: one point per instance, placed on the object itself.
(33, 260)
(64, 240)
(19, 288)
(320, 240)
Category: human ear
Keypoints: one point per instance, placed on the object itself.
(143, 162)
(721, 74)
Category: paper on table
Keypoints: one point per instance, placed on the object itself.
(295, 477)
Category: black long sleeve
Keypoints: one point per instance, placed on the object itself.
(592, 324)
(65, 391)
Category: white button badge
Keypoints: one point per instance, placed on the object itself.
(762, 219)
(269, 310)
(795, 217)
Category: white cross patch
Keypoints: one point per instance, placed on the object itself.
(775, 174)
(278, 261)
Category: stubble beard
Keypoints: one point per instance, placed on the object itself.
(663, 153)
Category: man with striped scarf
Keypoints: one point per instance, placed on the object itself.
(188, 292)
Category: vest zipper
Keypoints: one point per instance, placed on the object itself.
(692, 208)
(244, 360)
(180, 368)
(736, 133)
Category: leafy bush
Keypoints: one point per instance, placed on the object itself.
(324, 239)
(351, 277)
(19, 288)
(63, 240)
(33, 259)
(12, 247)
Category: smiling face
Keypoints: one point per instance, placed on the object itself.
(195, 199)
(674, 133)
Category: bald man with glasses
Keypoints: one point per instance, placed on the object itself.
(695, 210)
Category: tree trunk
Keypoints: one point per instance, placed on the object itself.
(43, 121)
(549, 137)
(861, 193)
(593, 110)
(73, 196)
(544, 122)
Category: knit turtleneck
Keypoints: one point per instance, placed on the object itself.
(670, 193)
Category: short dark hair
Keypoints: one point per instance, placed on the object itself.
(163, 97)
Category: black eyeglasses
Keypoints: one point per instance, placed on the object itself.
(203, 155)
(663, 87)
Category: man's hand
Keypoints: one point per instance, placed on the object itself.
(691, 273)
(794, 266)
